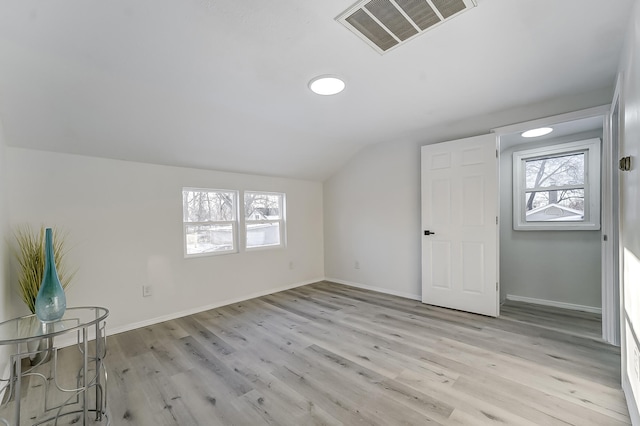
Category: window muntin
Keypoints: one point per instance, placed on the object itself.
(557, 187)
(210, 221)
(264, 219)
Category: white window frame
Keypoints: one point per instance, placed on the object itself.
(233, 223)
(591, 150)
(281, 222)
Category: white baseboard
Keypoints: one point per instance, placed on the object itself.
(69, 340)
(632, 405)
(198, 309)
(555, 304)
(377, 289)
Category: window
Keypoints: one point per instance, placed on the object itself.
(557, 187)
(210, 221)
(264, 219)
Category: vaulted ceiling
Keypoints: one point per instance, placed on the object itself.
(222, 84)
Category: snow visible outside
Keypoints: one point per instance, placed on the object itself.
(263, 234)
(209, 238)
(555, 188)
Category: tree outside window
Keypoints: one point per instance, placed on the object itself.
(555, 182)
(557, 187)
(210, 221)
(264, 219)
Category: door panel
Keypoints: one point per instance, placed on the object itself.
(441, 255)
(473, 273)
(459, 208)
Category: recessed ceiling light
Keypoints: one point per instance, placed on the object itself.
(326, 85)
(534, 133)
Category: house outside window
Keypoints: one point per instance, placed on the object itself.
(264, 219)
(210, 220)
(557, 187)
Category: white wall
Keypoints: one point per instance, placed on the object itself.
(558, 266)
(372, 205)
(5, 289)
(370, 218)
(125, 229)
(630, 215)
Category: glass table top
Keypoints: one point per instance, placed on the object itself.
(29, 327)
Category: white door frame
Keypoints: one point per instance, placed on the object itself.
(611, 302)
(610, 317)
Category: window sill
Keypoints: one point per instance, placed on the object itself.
(541, 226)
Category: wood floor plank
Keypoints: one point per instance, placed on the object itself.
(329, 354)
(211, 403)
(390, 390)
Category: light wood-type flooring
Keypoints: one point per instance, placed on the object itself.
(328, 354)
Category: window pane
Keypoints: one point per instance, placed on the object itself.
(262, 206)
(208, 238)
(555, 206)
(555, 171)
(208, 206)
(263, 234)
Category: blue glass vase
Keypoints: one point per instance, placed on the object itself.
(51, 301)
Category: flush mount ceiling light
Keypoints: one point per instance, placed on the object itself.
(534, 133)
(326, 85)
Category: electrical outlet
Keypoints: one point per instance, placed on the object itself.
(291, 266)
(356, 265)
(146, 291)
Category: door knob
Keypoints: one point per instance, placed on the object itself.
(427, 232)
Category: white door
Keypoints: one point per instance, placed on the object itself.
(459, 223)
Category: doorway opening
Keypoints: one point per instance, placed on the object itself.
(559, 263)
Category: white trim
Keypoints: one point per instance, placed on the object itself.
(282, 221)
(591, 150)
(234, 224)
(234, 234)
(610, 249)
(128, 327)
(376, 289)
(602, 110)
(632, 406)
(555, 304)
(63, 341)
(192, 311)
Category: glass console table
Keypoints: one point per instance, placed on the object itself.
(35, 357)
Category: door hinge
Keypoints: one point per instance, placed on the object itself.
(496, 153)
(496, 220)
(496, 286)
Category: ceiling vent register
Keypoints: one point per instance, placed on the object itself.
(386, 24)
